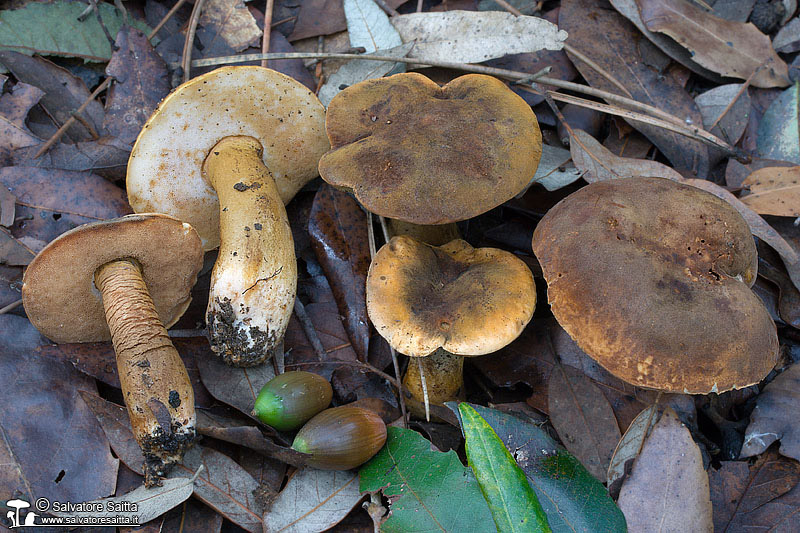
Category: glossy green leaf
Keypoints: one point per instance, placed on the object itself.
(428, 490)
(571, 497)
(54, 29)
(513, 503)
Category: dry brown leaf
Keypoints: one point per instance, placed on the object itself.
(668, 490)
(774, 191)
(775, 417)
(232, 21)
(729, 48)
(630, 444)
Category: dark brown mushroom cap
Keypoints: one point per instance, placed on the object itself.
(469, 301)
(414, 151)
(58, 289)
(652, 279)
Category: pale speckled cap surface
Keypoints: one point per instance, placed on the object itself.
(165, 168)
(58, 289)
(469, 301)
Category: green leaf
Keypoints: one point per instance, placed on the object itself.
(54, 29)
(571, 497)
(428, 490)
(511, 499)
(779, 130)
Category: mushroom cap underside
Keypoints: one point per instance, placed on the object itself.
(414, 151)
(469, 301)
(165, 168)
(59, 293)
(652, 279)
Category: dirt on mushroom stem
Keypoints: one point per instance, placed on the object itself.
(155, 383)
(254, 280)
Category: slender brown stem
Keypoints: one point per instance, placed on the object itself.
(10, 307)
(267, 30)
(166, 18)
(186, 57)
(154, 381)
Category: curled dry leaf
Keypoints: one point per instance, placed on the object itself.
(629, 446)
(313, 500)
(472, 36)
(774, 191)
(729, 48)
(775, 417)
(583, 419)
(668, 486)
(764, 496)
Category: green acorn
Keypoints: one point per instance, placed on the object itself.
(287, 401)
(341, 438)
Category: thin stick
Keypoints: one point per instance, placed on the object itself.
(600, 70)
(10, 307)
(419, 6)
(166, 18)
(508, 7)
(71, 120)
(359, 364)
(392, 12)
(695, 133)
(186, 58)
(395, 363)
(100, 88)
(283, 21)
(424, 389)
(267, 30)
(741, 91)
(309, 329)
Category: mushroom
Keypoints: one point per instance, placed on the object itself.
(652, 279)
(411, 150)
(443, 303)
(127, 280)
(225, 151)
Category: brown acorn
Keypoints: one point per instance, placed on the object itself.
(341, 438)
(288, 400)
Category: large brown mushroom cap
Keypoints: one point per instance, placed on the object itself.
(165, 168)
(652, 279)
(469, 301)
(414, 151)
(59, 292)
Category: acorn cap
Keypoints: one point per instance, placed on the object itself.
(414, 151)
(652, 279)
(165, 167)
(469, 301)
(58, 289)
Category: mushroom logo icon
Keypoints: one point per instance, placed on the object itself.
(14, 515)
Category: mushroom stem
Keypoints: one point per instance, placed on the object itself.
(444, 376)
(255, 277)
(155, 384)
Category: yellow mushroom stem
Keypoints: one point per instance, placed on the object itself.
(254, 280)
(155, 385)
(444, 377)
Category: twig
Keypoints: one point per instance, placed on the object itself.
(387, 8)
(71, 120)
(365, 366)
(741, 91)
(395, 363)
(283, 21)
(419, 5)
(100, 88)
(10, 307)
(267, 30)
(186, 58)
(508, 7)
(600, 70)
(309, 329)
(102, 24)
(424, 389)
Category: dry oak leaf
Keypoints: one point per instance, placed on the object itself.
(774, 191)
(729, 48)
(668, 489)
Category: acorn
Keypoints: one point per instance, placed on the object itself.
(341, 438)
(288, 400)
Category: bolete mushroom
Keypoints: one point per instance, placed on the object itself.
(411, 150)
(652, 279)
(443, 303)
(125, 280)
(224, 152)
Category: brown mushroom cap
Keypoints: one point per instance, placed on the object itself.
(59, 293)
(414, 151)
(652, 279)
(165, 168)
(469, 301)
